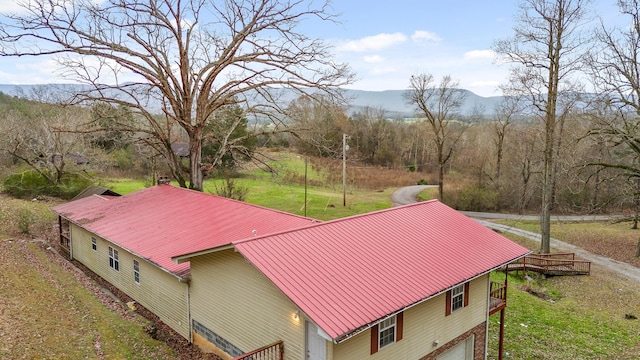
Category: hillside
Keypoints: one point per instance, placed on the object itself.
(392, 101)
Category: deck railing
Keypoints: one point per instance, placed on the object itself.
(498, 297)
(273, 351)
(552, 264)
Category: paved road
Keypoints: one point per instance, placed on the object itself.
(408, 195)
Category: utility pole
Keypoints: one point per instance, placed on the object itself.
(305, 186)
(345, 147)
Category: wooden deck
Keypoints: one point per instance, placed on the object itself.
(552, 264)
(497, 297)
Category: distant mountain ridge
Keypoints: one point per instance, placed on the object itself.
(392, 101)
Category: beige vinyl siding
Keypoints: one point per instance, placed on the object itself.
(233, 299)
(158, 291)
(423, 324)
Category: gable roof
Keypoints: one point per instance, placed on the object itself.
(95, 190)
(162, 221)
(350, 273)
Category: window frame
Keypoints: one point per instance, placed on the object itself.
(457, 297)
(377, 330)
(94, 244)
(114, 259)
(384, 333)
(461, 300)
(136, 271)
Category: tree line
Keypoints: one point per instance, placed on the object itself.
(215, 66)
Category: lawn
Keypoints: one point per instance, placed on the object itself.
(49, 311)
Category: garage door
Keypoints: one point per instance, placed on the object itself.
(462, 351)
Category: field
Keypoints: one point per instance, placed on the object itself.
(50, 309)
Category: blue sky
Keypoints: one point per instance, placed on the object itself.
(385, 42)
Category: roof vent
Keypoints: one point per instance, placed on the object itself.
(255, 232)
(163, 180)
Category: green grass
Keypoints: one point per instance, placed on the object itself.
(126, 186)
(51, 316)
(584, 320)
(562, 329)
(428, 194)
(322, 203)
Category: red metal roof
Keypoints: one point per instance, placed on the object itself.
(347, 273)
(163, 221)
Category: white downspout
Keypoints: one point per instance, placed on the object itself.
(486, 330)
(187, 282)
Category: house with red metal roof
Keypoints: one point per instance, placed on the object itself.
(410, 282)
(129, 240)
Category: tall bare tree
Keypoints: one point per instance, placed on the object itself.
(319, 124)
(506, 111)
(191, 56)
(546, 50)
(438, 103)
(615, 68)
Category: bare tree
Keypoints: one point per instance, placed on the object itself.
(192, 57)
(319, 124)
(509, 108)
(546, 50)
(615, 68)
(438, 103)
(38, 135)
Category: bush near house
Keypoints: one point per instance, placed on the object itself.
(30, 184)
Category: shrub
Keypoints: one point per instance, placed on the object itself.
(24, 219)
(26, 184)
(231, 190)
(474, 198)
(30, 184)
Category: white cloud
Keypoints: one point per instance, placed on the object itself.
(373, 59)
(10, 7)
(374, 43)
(384, 70)
(479, 54)
(421, 35)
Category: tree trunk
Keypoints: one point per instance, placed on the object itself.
(195, 160)
(441, 181)
(638, 249)
(548, 180)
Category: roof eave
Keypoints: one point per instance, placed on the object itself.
(187, 257)
(185, 277)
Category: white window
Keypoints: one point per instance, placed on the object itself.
(457, 297)
(94, 244)
(114, 261)
(136, 271)
(387, 332)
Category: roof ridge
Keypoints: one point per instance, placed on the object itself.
(338, 220)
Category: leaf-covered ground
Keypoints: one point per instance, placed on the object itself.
(50, 309)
